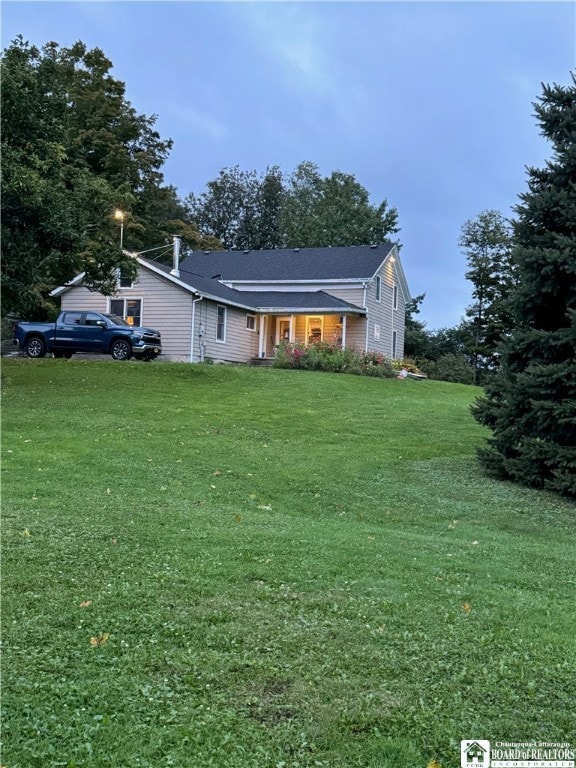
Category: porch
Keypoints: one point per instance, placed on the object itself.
(338, 330)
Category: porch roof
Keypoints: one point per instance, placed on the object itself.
(300, 301)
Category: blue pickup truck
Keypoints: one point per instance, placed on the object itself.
(93, 332)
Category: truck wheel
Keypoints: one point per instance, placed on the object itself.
(35, 347)
(121, 350)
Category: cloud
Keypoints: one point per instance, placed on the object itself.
(291, 35)
(200, 121)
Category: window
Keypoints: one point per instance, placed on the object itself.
(394, 344)
(92, 319)
(378, 287)
(124, 281)
(313, 329)
(129, 309)
(72, 318)
(221, 323)
(395, 299)
(250, 322)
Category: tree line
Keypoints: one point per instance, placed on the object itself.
(469, 352)
(74, 150)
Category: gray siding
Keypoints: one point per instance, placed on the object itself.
(83, 299)
(165, 307)
(352, 295)
(382, 313)
(171, 310)
(240, 344)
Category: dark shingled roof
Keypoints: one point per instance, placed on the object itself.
(297, 300)
(357, 262)
(270, 300)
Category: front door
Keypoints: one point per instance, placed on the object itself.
(282, 329)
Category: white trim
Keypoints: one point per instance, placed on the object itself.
(279, 319)
(261, 337)
(125, 299)
(351, 309)
(344, 318)
(192, 327)
(70, 284)
(231, 282)
(222, 340)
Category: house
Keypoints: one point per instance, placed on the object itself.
(475, 753)
(237, 306)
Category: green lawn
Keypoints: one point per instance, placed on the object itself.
(241, 568)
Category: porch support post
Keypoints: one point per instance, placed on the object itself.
(343, 331)
(292, 328)
(261, 338)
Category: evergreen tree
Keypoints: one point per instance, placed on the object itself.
(487, 243)
(531, 405)
(415, 334)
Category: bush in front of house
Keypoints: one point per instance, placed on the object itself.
(323, 356)
(452, 367)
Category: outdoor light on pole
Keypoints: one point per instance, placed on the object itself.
(119, 216)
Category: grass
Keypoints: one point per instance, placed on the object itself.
(217, 566)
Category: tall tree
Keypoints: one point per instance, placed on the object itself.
(245, 210)
(227, 209)
(73, 150)
(487, 243)
(333, 210)
(531, 406)
(415, 334)
(269, 204)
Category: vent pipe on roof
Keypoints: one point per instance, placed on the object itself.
(176, 257)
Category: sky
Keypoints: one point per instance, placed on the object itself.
(428, 104)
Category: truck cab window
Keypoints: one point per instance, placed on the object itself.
(72, 318)
(92, 319)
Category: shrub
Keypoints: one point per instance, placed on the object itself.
(455, 368)
(6, 336)
(323, 356)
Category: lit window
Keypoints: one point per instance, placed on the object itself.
(129, 309)
(251, 322)
(314, 329)
(221, 323)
